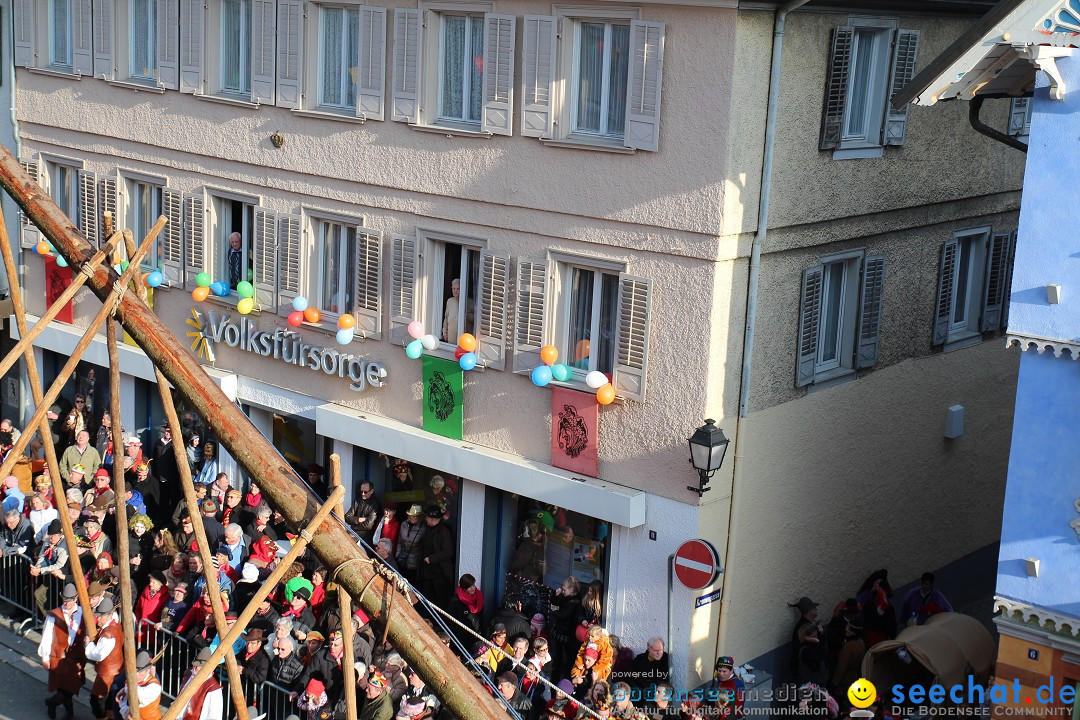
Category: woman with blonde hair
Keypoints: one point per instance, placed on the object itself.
(565, 606)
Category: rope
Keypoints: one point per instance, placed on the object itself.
(86, 270)
(304, 533)
(119, 289)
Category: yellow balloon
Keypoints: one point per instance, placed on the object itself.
(245, 305)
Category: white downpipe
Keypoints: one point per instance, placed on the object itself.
(751, 302)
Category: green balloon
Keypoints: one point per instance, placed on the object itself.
(244, 289)
(202, 279)
(250, 275)
(124, 266)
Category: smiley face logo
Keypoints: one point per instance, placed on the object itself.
(862, 693)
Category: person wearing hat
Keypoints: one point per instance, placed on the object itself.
(78, 420)
(727, 688)
(151, 603)
(436, 567)
(150, 489)
(313, 699)
(51, 560)
(94, 541)
(379, 705)
(215, 531)
(507, 685)
(365, 513)
(62, 652)
(13, 493)
(133, 454)
(848, 666)
(807, 614)
(174, 610)
(148, 688)
(410, 536)
(300, 608)
(101, 483)
(327, 664)
(418, 690)
(253, 661)
(388, 526)
(81, 453)
(413, 709)
(208, 702)
(492, 657)
(107, 654)
(562, 706)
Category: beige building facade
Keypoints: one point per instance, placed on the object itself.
(369, 155)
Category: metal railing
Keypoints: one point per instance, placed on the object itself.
(18, 587)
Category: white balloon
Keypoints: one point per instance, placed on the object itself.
(596, 379)
(430, 342)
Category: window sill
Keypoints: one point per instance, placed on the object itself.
(328, 115)
(451, 131)
(858, 153)
(446, 352)
(831, 378)
(578, 144)
(962, 340)
(226, 100)
(67, 74)
(581, 386)
(136, 86)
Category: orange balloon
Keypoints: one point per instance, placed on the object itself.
(606, 394)
(467, 342)
(43, 248)
(346, 321)
(549, 354)
(582, 350)
(199, 294)
(312, 315)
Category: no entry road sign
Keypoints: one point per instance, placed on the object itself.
(696, 564)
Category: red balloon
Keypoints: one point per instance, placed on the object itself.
(296, 318)
(458, 352)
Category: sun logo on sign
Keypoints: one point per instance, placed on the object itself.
(203, 345)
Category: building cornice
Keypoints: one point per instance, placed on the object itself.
(1028, 619)
(1043, 344)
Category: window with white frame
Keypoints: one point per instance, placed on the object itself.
(63, 186)
(839, 316)
(587, 318)
(339, 56)
(143, 207)
(337, 248)
(54, 35)
(142, 58)
(461, 62)
(454, 287)
(236, 47)
(136, 42)
(232, 241)
(60, 50)
(973, 286)
(592, 77)
(349, 271)
(871, 61)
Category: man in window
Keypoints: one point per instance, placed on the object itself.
(236, 259)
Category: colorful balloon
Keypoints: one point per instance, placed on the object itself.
(346, 321)
(430, 342)
(467, 342)
(560, 372)
(222, 289)
(244, 289)
(203, 280)
(345, 336)
(549, 354)
(541, 375)
(60, 261)
(299, 303)
(596, 379)
(414, 349)
(458, 352)
(117, 269)
(312, 315)
(296, 318)
(416, 329)
(605, 395)
(155, 278)
(199, 294)
(42, 248)
(467, 361)
(124, 266)
(245, 305)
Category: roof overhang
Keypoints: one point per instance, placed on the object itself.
(998, 56)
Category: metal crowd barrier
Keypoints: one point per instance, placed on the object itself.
(274, 701)
(17, 587)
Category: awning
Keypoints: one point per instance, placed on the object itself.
(595, 498)
(62, 338)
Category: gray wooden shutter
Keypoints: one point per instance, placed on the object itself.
(497, 115)
(194, 237)
(529, 315)
(1008, 281)
(905, 55)
(1020, 117)
(643, 88)
(809, 319)
(23, 11)
(30, 233)
(405, 97)
(290, 22)
(263, 18)
(367, 283)
(943, 306)
(104, 33)
(266, 259)
(82, 37)
(192, 20)
(632, 337)
(832, 120)
(109, 203)
(370, 90)
(994, 287)
(288, 271)
(89, 217)
(402, 285)
(168, 43)
(493, 291)
(172, 237)
(873, 282)
(537, 74)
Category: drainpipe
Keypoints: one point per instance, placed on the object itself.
(751, 302)
(974, 108)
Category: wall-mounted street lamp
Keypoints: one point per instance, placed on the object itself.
(707, 448)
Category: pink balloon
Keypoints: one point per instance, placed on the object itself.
(416, 329)
(296, 318)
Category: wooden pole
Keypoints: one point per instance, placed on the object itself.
(46, 434)
(344, 602)
(209, 571)
(253, 606)
(284, 489)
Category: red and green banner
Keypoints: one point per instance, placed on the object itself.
(57, 280)
(574, 424)
(444, 413)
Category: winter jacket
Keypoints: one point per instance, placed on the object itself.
(364, 516)
(21, 538)
(565, 620)
(285, 672)
(409, 539)
(326, 668)
(602, 666)
(437, 547)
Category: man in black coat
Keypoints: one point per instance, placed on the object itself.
(650, 667)
(254, 662)
(436, 567)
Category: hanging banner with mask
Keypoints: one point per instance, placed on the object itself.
(574, 424)
(57, 280)
(444, 413)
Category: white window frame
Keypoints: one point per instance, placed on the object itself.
(977, 241)
(313, 220)
(847, 320)
(878, 78)
(69, 65)
(575, 83)
(468, 89)
(560, 268)
(127, 181)
(432, 245)
(51, 164)
(244, 71)
(319, 79)
(129, 22)
(216, 256)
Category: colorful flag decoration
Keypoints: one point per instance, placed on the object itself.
(444, 412)
(574, 424)
(57, 280)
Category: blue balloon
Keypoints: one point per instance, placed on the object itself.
(220, 289)
(155, 278)
(541, 375)
(60, 261)
(345, 336)
(299, 303)
(414, 349)
(467, 361)
(560, 372)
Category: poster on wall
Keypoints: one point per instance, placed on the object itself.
(586, 560)
(443, 411)
(557, 558)
(57, 280)
(574, 423)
